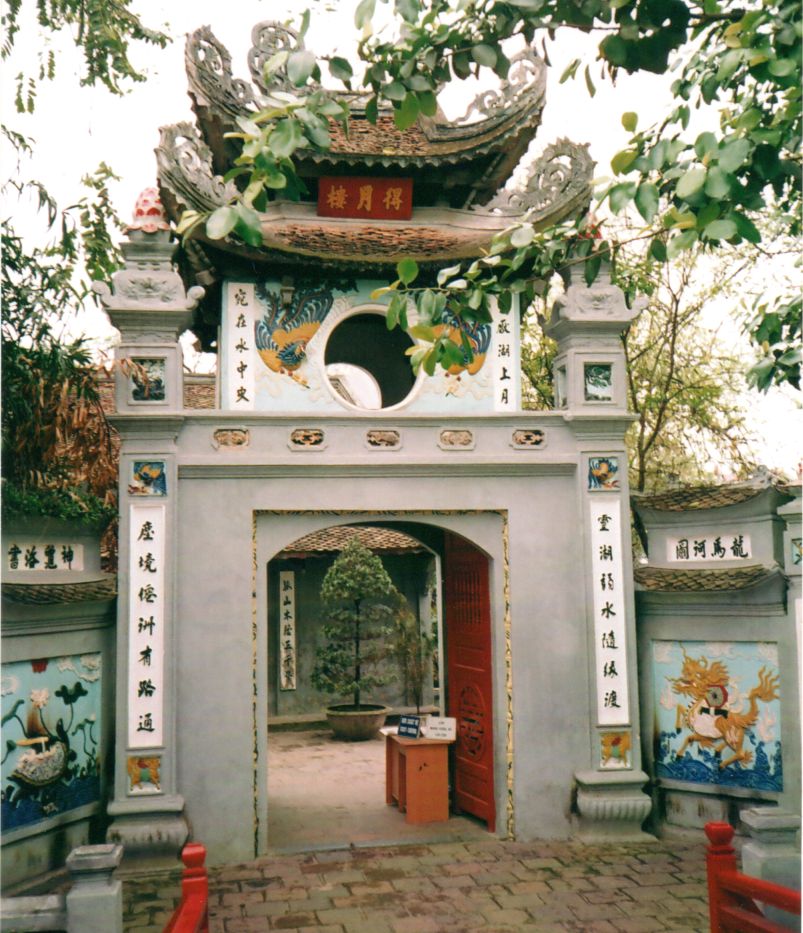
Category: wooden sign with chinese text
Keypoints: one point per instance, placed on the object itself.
(375, 198)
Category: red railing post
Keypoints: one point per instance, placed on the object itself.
(720, 857)
(192, 914)
(733, 898)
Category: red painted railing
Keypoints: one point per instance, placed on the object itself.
(732, 895)
(192, 914)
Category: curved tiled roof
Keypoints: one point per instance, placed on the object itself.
(669, 580)
(49, 593)
(503, 120)
(337, 537)
(698, 497)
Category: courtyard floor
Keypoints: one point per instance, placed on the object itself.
(341, 861)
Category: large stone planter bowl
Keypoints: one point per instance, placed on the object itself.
(350, 725)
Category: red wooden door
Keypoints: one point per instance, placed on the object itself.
(467, 610)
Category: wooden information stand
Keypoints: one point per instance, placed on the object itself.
(417, 777)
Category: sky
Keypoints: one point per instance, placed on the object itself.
(76, 129)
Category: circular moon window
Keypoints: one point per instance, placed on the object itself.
(366, 363)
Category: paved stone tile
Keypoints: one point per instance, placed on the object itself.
(488, 887)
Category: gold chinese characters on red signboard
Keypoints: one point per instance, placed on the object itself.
(375, 198)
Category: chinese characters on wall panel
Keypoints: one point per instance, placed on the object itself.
(613, 708)
(716, 545)
(287, 630)
(505, 356)
(239, 384)
(146, 626)
(25, 554)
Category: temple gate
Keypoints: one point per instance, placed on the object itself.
(319, 421)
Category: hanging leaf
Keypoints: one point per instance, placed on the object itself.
(364, 13)
(248, 225)
(522, 236)
(407, 270)
(647, 200)
(341, 69)
(285, 138)
(589, 83)
(691, 183)
(300, 66)
(680, 242)
(720, 230)
(221, 222)
(407, 113)
(630, 121)
(484, 54)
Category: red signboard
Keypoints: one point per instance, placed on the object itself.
(375, 198)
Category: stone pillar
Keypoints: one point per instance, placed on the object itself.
(590, 380)
(773, 851)
(149, 306)
(95, 901)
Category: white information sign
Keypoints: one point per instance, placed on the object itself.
(238, 341)
(709, 545)
(613, 707)
(287, 630)
(441, 727)
(146, 626)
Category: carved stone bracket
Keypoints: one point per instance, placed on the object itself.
(558, 186)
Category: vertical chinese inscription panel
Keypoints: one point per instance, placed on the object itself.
(287, 630)
(146, 625)
(613, 707)
(239, 343)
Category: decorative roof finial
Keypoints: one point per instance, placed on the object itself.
(149, 213)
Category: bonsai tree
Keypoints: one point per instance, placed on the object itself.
(359, 598)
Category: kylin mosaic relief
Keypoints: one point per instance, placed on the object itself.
(717, 713)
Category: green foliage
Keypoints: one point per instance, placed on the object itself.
(70, 505)
(360, 601)
(681, 384)
(54, 431)
(102, 30)
(703, 191)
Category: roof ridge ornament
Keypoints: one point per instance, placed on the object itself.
(212, 84)
(269, 38)
(558, 185)
(184, 168)
(525, 80)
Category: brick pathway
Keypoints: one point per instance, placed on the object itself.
(450, 887)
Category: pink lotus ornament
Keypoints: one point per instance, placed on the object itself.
(149, 213)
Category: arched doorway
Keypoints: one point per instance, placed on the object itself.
(464, 663)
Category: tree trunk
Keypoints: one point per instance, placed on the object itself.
(357, 671)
